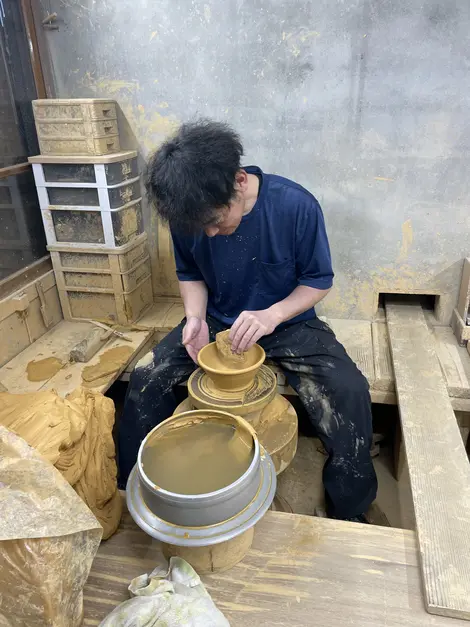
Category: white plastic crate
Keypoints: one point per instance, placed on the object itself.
(90, 213)
(102, 170)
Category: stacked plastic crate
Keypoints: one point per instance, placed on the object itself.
(90, 198)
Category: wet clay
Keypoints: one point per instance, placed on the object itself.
(75, 435)
(219, 356)
(48, 539)
(110, 361)
(43, 369)
(226, 355)
(275, 425)
(196, 458)
(202, 388)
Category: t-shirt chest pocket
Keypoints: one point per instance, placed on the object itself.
(276, 278)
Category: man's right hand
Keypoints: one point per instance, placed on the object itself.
(195, 336)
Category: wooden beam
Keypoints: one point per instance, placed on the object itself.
(13, 170)
(437, 462)
(33, 47)
(22, 277)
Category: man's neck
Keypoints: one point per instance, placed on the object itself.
(251, 194)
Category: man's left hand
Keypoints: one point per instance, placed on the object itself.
(250, 326)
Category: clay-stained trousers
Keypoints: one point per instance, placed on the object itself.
(331, 388)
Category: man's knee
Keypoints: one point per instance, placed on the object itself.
(158, 361)
(353, 382)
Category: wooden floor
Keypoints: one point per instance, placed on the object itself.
(300, 571)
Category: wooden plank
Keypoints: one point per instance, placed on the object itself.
(454, 361)
(164, 315)
(8, 305)
(464, 293)
(13, 170)
(19, 279)
(57, 343)
(437, 463)
(301, 570)
(21, 317)
(384, 377)
(33, 47)
(460, 404)
(356, 337)
(461, 330)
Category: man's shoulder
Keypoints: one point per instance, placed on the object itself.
(290, 193)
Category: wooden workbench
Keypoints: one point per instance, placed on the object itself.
(300, 571)
(58, 342)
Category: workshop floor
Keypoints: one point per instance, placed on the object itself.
(300, 488)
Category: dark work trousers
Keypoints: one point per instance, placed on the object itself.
(331, 388)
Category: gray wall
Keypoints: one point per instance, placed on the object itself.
(365, 102)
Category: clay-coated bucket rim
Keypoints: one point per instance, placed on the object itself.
(233, 372)
(203, 495)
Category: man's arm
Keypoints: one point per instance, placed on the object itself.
(194, 295)
(314, 277)
(298, 301)
(193, 291)
(250, 326)
(196, 331)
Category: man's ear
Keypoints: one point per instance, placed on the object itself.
(241, 181)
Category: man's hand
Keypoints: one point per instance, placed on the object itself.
(250, 326)
(195, 336)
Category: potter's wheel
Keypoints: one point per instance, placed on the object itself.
(205, 395)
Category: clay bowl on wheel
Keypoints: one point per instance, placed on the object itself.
(226, 377)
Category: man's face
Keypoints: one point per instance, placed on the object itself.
(227, 219)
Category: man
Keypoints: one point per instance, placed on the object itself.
(252, 255)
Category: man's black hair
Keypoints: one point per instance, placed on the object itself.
(192, 174)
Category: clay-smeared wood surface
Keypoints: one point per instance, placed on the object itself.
(300, 571)
(437, 462)
(57, 343)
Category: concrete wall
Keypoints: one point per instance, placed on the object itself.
(365, 102)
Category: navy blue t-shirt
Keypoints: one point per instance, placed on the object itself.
(280, 244)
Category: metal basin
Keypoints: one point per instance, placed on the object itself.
(202, 519)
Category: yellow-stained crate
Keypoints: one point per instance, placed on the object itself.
(85, 126)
